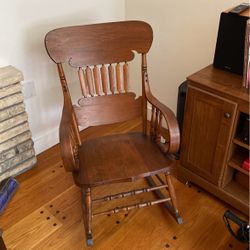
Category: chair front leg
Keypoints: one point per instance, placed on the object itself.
(87, 214)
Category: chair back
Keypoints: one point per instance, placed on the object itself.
(101, 53)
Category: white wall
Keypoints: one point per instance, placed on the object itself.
(23, 25)
(185, 35)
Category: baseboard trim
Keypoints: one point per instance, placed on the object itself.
(46, 140)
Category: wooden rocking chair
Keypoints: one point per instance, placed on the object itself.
(100, 53)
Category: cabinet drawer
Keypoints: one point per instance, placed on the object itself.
(207, 131)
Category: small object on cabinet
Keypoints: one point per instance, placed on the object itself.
(246, 164)
(239, 8)
(230, 46)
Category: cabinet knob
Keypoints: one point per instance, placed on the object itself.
(227, 115)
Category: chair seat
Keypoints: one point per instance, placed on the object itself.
(119, 158)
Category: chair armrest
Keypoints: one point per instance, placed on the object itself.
(160, 110)
(68, 141)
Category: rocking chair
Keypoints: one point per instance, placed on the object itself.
(100, 54)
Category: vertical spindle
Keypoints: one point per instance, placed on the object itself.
(157, 114)
(152, 121)
(82, 82)
(96, 74)
(104, 79)
(126, 77)
(90, 81)
(119, 78)
(111, 78)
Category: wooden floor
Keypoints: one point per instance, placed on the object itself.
(45, 213)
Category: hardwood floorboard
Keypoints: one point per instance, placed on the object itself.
(45, 213)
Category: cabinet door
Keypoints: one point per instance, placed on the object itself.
(207, 130)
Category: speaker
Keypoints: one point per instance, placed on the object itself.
(229, 52)
(182, 92)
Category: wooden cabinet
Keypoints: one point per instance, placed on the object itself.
(211, 151)
(208, 123)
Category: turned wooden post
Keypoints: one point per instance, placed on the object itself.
(172, 192)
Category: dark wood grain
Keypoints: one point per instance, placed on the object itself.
(144, 98)
(68, 131)
(220, 81)
(80, 45)
(120, 158)
(214, 104)
(207, 128)
(107, 109)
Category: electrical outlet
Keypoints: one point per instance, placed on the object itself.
(28, 89)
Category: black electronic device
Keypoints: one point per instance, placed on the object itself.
(240, 8)
(229, 52)
(182, 92)
(244, 132)
(243, 231)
